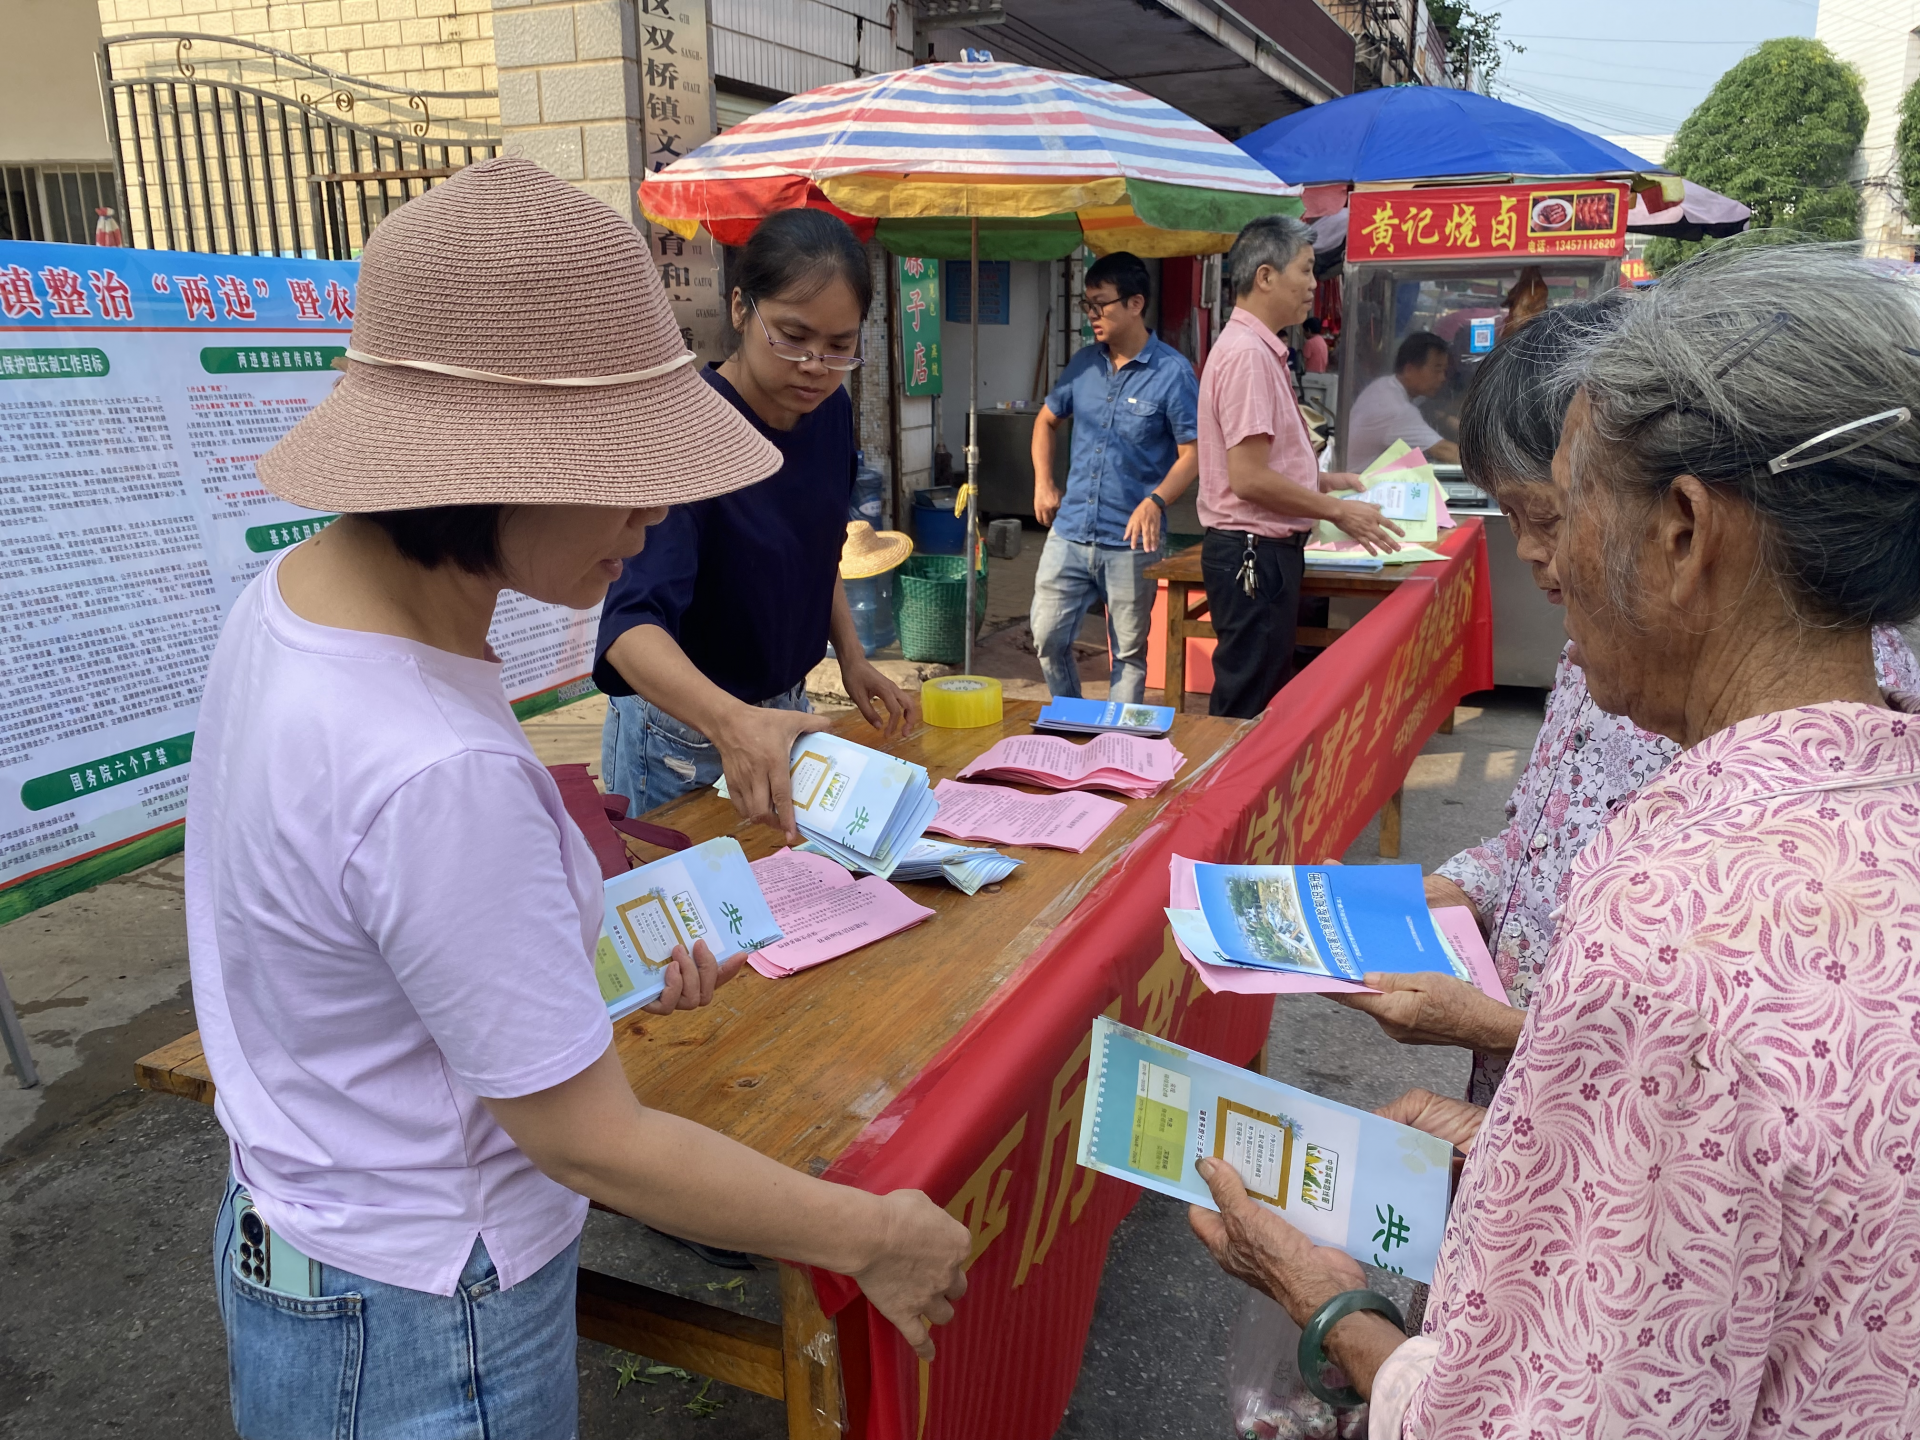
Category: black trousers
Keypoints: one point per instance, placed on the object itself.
(1254, 656)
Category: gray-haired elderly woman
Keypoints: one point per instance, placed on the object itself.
(1693, 1206)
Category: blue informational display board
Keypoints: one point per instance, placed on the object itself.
(137, 388)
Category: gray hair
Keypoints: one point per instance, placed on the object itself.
(1734, 359)
(1271, 240)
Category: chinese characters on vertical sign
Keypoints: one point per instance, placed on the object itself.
(1463, 220)
(919, 325)
(676, 100)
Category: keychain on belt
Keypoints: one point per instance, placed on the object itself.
(1249, 576)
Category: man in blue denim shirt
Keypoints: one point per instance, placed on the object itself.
(1134, 401)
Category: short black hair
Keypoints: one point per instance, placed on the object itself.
(795, 254)
(467, 536)
(1313, 325)
(1415, 349)
(1123, 270)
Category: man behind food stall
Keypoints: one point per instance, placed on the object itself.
(1389, 409)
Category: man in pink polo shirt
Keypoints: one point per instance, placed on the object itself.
(1261, 487)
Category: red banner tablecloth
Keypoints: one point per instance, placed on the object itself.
(991, 1127)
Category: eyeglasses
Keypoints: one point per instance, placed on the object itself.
(1831, 444)
(1094, 309)
(799, 354)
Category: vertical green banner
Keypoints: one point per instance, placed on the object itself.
(919, 325)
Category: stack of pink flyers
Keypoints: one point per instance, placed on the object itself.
(823, 912)
(1129, 764)
(995, 815)
(1456, 925)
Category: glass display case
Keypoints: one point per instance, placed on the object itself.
(1467, 302)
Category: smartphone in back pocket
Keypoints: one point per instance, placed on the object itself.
(269, 1261)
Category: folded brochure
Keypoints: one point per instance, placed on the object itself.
(707, 892)
(1370, 1186)
(858, 805)
(1333, 921)
(1135, 765)
(1076, 716)
(1458, 929)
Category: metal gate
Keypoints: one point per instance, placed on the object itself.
(242, 166)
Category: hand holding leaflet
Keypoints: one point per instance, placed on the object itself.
(824, 912)
(705, 893)
(1071, 820)
(1343, 1177)
(1131, 764)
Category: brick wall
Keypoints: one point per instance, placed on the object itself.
(413, 44)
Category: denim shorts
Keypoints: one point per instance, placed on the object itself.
(368, 1361)
(652, 758)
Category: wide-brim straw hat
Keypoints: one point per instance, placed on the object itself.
(512, 344)
(869, 552)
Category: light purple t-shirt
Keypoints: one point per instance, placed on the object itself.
(389, 914)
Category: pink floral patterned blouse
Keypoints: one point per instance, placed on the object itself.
(1584, 765)
(1695, 1207)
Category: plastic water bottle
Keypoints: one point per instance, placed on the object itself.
(868, 485)
(872, 604)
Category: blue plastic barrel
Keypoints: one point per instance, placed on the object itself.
(936, 529)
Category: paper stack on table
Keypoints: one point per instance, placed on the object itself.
(1129, 764)
(995, 815)
(706, 893)
(863, 808)
(1075, 716)
(1403, 485)
(1374, 1188)
(964, 867)
(824, 912)
(1328, 924)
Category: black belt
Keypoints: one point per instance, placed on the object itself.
(1296, 541)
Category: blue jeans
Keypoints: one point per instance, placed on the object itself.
(367, 1361)
(1072, 576)
(651, 758)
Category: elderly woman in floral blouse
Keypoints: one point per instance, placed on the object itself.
(1693, 1207)
(1585, 763)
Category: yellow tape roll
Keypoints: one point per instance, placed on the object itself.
(961, 702)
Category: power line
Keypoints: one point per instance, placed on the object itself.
(1643, 41)
(1695, 88)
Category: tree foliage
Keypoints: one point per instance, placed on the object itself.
(1777, 132)
(1906, 151)
(1473, 38)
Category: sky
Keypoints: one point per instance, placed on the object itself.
(1631, 67)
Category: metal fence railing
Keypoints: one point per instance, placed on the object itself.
(61, 203)
(273, 164)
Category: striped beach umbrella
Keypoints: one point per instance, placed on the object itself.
(1041, 160)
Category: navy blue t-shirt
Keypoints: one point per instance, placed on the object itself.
(745, 581)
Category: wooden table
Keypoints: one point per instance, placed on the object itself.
(1186, 612)
(797, 1067)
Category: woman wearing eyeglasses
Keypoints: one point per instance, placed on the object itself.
(706, 640)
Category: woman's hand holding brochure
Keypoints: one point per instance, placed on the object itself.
(690, 980)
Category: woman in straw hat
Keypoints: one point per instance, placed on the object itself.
(390, 913)
(706, 641)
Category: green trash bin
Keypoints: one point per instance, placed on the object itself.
(929, 599)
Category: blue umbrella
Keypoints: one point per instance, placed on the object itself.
(1417, 132)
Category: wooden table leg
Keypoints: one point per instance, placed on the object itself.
(816, 1408)
(1175, 691)
(1390, 825)
(1446, 725)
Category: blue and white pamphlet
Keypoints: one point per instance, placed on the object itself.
(863, 808)
(1370, 1186)
(707, 892)
(1340, 921)
(1096, 717)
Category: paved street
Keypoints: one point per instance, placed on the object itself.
(106, 1194)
